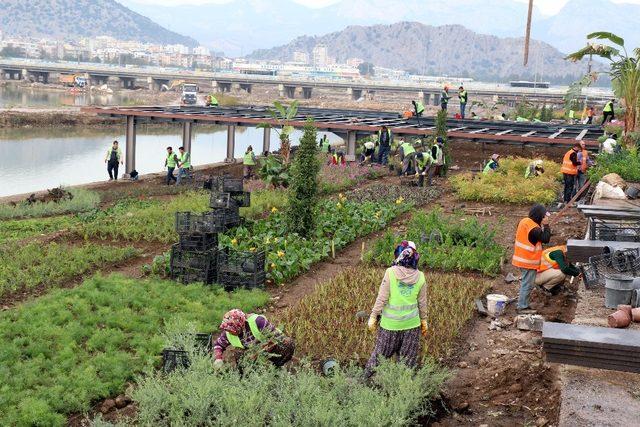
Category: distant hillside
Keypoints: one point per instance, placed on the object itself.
(446, 50)
(82, 18)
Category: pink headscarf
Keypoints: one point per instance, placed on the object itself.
(233, 321)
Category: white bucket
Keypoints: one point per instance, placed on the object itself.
(496, 304)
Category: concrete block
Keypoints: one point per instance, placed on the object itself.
(529, 322)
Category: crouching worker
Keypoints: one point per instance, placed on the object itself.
(401, 306)
(424, 167)
(554, 268)
(244, 332)
(492, 165)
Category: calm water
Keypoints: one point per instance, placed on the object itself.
(36, 159)
(17, 96)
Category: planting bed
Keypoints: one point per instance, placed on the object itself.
(67, 349)
(508, 184)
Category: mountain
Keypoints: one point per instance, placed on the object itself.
(66, 19)
(446, 50)
(241, 26)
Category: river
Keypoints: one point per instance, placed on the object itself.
(22, 96)
(36, 159)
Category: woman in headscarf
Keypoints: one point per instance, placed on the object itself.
(242, 331)
(401, 307)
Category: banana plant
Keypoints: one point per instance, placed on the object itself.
(282, 116)
(624, 71)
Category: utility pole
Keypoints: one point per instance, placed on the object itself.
(527, 36)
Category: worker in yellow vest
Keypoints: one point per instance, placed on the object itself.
(249, 162)
(532, 232)
(569, 169)
(184, 164)
(242, 331)
(407, 154)
(608, 112)
(554, 268)
(170, 162)
(400, 311)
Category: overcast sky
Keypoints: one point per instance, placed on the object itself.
(548, 7)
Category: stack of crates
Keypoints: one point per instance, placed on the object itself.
(196, 257)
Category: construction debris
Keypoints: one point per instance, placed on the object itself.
(529, 322)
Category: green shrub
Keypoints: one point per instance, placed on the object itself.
(35, 264)
(398, 396)
(626, 163)
(508, 184)
(72, 347)
(18, 229)
(450, 244)
(303, 191)
(263, 201)
(82, 201)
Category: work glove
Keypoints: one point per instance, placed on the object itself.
(372, 324)
(217, 364)
(423, 327)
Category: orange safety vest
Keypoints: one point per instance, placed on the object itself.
(585, 161)
(546, 263)
(567, 165)
(526, 255)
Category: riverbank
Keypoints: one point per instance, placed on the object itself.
(48, 117)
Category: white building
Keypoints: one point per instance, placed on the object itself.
(320, 55)
(201, 51)
(301, 57)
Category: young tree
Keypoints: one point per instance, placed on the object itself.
(282, 116)
(624, 72)
(303, 187)
(441, 131)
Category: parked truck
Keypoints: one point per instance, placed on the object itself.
(189, 94)
(73, 80)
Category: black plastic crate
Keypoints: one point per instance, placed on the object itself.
(201, 242)
(204, 342)
(224, 184)
(228, 217)
(215, 221)
(616, 231)
(241, 269)
(220, 200)
(241, 198)
(190, 266)
(173, 359)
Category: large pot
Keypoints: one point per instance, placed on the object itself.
(619, 319)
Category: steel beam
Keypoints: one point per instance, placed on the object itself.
(130, 148)
(231, 144)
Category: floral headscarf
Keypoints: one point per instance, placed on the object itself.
(233, 321)
(407, 255)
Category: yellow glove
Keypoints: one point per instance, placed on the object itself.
(372, 324)
(217, 364)
(423, 327)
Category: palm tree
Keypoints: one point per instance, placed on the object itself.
(624, 72)
(282, 116)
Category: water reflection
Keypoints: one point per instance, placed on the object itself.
(20, 96)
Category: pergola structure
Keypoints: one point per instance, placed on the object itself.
(348, 124)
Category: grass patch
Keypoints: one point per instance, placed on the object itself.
(626, 163)
(62, 352)
(34, 264)
(508, 184)
(264, 201)
(149, 220)
(82, 201)
(447, 243)
(17, 229)
(324, 323)
(260, 396)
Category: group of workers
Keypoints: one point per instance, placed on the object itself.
(181, 160)
(546, 268)
(575, 164)
(534, 168)
(463, 98)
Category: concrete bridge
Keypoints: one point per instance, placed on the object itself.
(154, 78)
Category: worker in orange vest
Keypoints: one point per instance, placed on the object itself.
(585, 163)
(554, 268)
(532, 232)
(570, 165)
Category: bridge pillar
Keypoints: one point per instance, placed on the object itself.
(39, 76)
(351, 146)
(436, 99)
(130, 148)
(371, 94)
(127, 82)
(246, 87)
(290, 91)
(214, 86)
(186, 136)
(306, 92)
(355, 93)
(425, 97)
(281, 90)
(231, 144)
(224, 87)
(266, 140)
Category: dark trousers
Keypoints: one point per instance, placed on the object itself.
(607, 116)
(428, 171)
(443, 106)
(112, 169)
(590, 120)
(404, 344)
(569, 187)
(170, 176)
(383, 154)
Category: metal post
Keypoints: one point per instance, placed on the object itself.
(266, 140)
(186, 136)
(231, 144)
(130, 149)
(351, 146)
